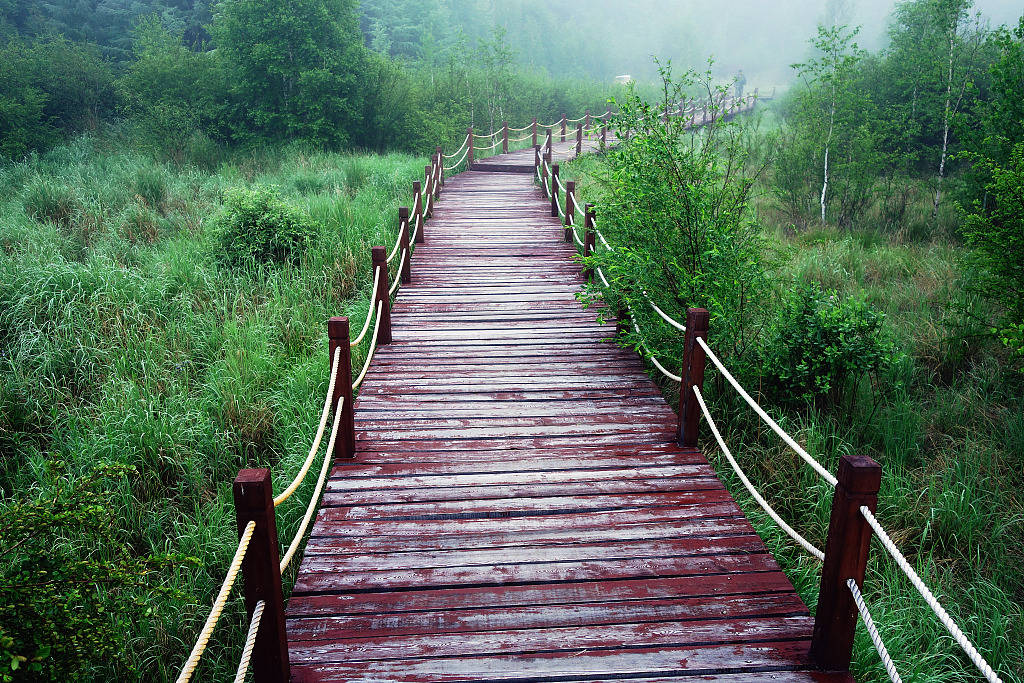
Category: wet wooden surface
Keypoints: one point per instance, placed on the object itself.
(517, 508)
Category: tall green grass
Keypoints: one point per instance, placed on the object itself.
(946, 424)
(123, 339)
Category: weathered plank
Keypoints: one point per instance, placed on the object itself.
(517, 508)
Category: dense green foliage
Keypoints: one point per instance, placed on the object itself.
(822, 347)
(256, 226)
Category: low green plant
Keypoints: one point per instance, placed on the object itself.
(823, 345)
(257, 226)
(50, 199)
(66, 568)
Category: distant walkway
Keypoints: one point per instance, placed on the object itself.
(517, 508)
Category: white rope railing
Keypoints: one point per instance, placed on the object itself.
(487, 149)
(394, 251)
(415, 230)
(650, 354)
(869, 624)
(958, 635)
(293, 547)
(665, 316)
(807, 545)
(250, 642)
(398, 273)
(284, 495)
(456, 164)
(218, 606)
(369, 310)
(456, 152)
(826, 475)
(372, 349)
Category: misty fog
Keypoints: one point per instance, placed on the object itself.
(606, 38)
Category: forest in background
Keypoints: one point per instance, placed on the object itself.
(141, 364)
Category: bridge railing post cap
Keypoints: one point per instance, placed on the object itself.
(403, 211)
(859, 474)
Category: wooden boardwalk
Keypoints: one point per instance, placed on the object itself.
(517, 508)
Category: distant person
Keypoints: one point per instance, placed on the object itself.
(741, 81)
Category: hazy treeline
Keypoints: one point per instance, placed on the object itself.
(189, 77)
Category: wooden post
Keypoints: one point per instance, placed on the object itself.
(380, 259)
(846, 557)
(504, 138)
(420, 213)
(337, 337)
(440, 164)
(563, 127)
(536, 158)
(579, 140)
(554, 190)
(261, 573)
(550, 143)
(587, 119)
(544, 173)
(469, 158)
(693, 375)
(570, 209)
(534, 126)
(404, 228)
(589, 238)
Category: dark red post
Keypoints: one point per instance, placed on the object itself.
(469, 158)
(536, 158)
(587, 121)
(261, 573)
(693, 375)
(554, 190)
(534, 131)
(504, 138)
(579, 140)
(337, 337)
(550, 142)
(404, 256)
(440, 171)
(589, 237)
(570, 209)
(846, 557)
(544, 185)
(564, 120)
(380, 259)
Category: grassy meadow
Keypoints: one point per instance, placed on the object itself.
(126, 340)
(946, 422)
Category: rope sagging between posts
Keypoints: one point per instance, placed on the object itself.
(398, 277)
(790, 441)
(456, 152)
(291, 488)
(369, 311)
(293, 547)
(958, 635)
(218, 605)
(807, 545)
(869, 624)
(372, 349)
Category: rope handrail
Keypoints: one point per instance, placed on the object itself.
(456, 164)
(372, 349)
(293, 547)
(869, 624)
(218, 605)
(665, 316)
(369, 311)
(958, 635)
(456, 152)
(398, 279)
(394, 250)
(250, 642)
(412, 238)
(291, 488)
(650, 354)
(807, 545)
(828, 476)
(487, 149)
(525, 137)
(520, 130)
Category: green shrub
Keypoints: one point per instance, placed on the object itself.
(823, 346)
(257, 226)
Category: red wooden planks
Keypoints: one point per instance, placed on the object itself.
(517, 508)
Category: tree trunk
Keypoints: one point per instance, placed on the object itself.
(945, 127)
(828, 142)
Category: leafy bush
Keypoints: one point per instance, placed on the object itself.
(64, 568)
(996, 234)
(257, 226)
(823, 346)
